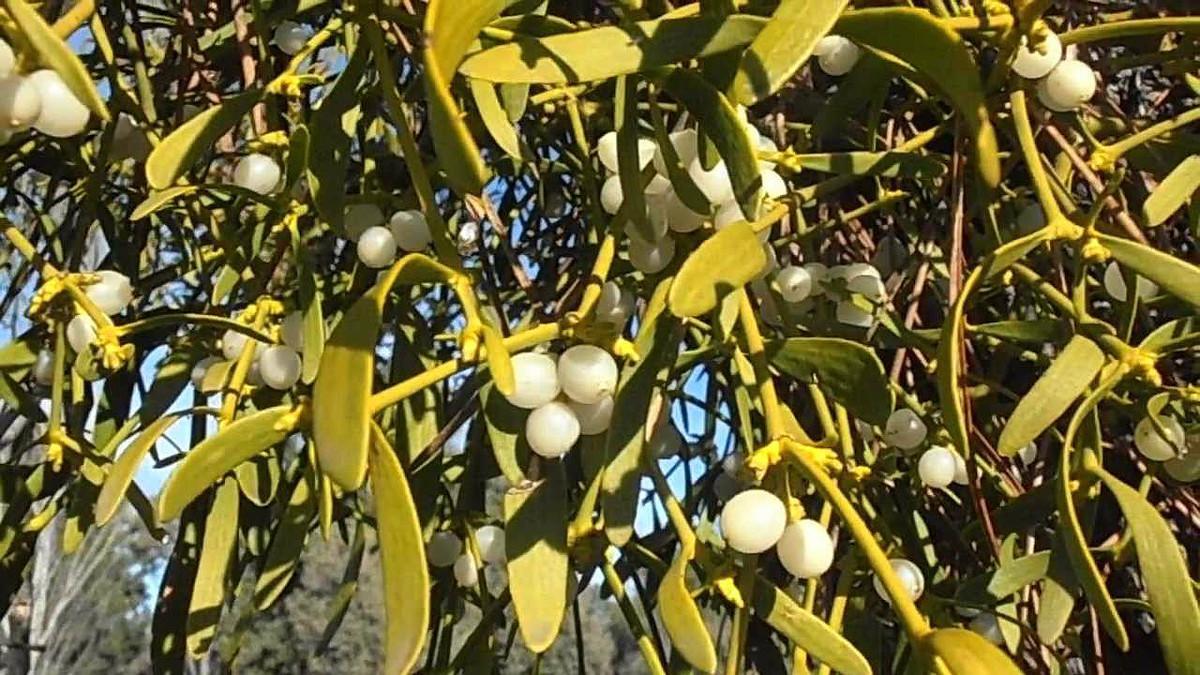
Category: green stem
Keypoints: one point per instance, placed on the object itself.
(640, 632)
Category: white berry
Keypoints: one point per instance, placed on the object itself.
(773, 184)
(795, 283)
(290, 37)
(280, 366)
(818, 273)
(911, 579)
(411, 230)
(443, 549)
(490, 540)
(232, 344)
(466, 574)
(7, 58)
(81, 332)
(377, 247)
(200, 370)
(62, 114)
(679, 217)
(1029, 453)
(615, 306)
(20, 102)
(1156, 446)
(753, 521)
(805, 549)
(685, 143)
(359, 218)
(714, 182)
(594, 418)
(611, 195)
(836, 55)
(1069, 85)
(988, 626)
(1115, 286)
(727, 214)
(112, 293)
(467, 237)
(936, 467)
(587, 373)
(1186, 467)
(606, 148)
(651, 258)
(904, 430)
(1033, 62)
(552, 429)
(868, 286)
(258, 173)
(291, 330)
(961, 476)
(43, 368)
(536, 379)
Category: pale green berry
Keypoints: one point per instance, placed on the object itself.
(753, 521)
(112, 293)
(904, 430)
(280, 366)
(594, 418)
(490, 540)
(200, 370)
(536, 380)
(1115, 286)
(651, 258)
(1069, 85)
(8, 59)
(852, 315)
(685, 143)
(411, 230)
(377, 247)
(615, 305)
(819, 273)
(1185, 467)
(773, 184)
(805, 549)
(795, 283)
(443, 549)
(714, 182)
(359, 218)
(1156, 446)
(552, 429)
(291, 330)
(936, 467)
(62, 114)
(679, 217)
(911, 579)
(612, 195)
(1034, 62)
(606, 148)
(20, 103)
(257, 173)
(43, 368)
(587, 373)
(836, 55)
(81, 332)
(1028, 454)
(290, 37)
(466, 574)
(233, 342)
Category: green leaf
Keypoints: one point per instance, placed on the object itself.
(168, 631)
(685, 188)
(55, 53)
(966, 652)
(328, 159)
(346, 590)
(784, 44)
(314, 324)
(495, 119)
(722, 125)
(851, 372)
(160, 198)
(1165, 574)
(606, 52)
(807, 631)
(722, 264)
(626, 438)
(916, 40)
(402, 556)
(1034, 331)
(178, 151)
(1177, 277)
(451, 27)
(629, 170)
(120, 475)
(861, 163)
(682, 619)
(1062, 383)
(1173, 192)
(536, 546)
(506, 433)
(1010, 577)
(216, 552)
(1173, 335)
(221, 453)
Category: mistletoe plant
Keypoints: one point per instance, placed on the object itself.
(857, 336)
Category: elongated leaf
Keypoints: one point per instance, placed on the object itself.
(914, 38)
(451, 27)
(506, 433)
(722, 125)
(1062, 383)
(1173, 192)
(629, 169)
(56, 54)
(346, 590)
(120, 475)
(314, 325)
(722, 264)
(682, 619)
(168, 630)
(851, 372)
(681, 181)
(610, 51)
(1035, 331)
(1165, 573)
(402, 556)
(966, 652)
(178, 151)
(889, 164)
(784, 44)
(1172, 335)
(329, 148)
(495, 119)
(160, 198)
(1008, 578)
(536, 546)
(221, 453)
(807, 631)
(1177, 277)
(287, 543)
(208, 591)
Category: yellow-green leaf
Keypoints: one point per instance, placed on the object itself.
(402, 557)
(852, 373)
(495, 119)
(807, 631)
(506, 433)
(221, 453)
(120, 474)
(287, 543)
(609, 51)
(863, 163)
(1174, 275)
(55, 53)
(160, 198)
(451, 27)
(783, 45)
(723, 263)
(208, 590)
(1165, 574)
(178, 151)
(682, 619)
(536, 546)
(499, 361)
(966, 652)
(328, 150)
(916, 40)
(1173, 192)
(1062, 383)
